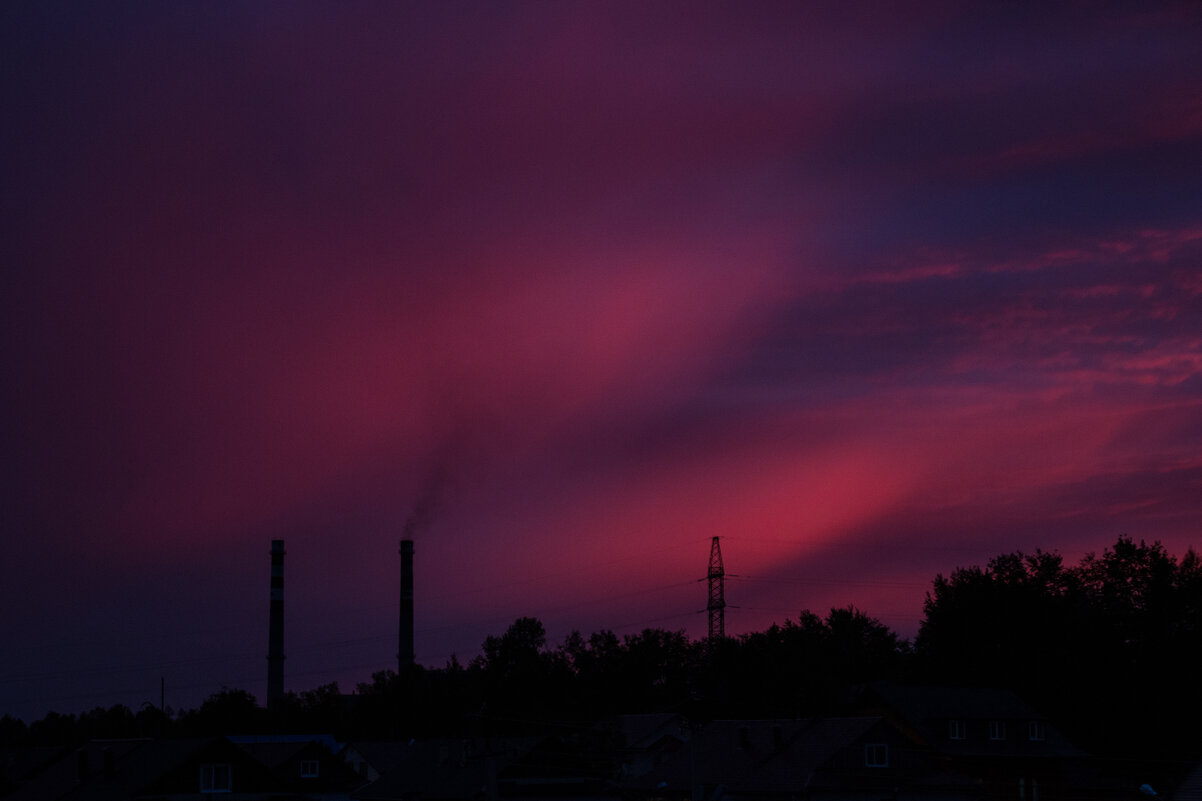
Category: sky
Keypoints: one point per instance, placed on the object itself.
(565, 290)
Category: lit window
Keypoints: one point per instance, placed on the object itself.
(876, 755)
(1035, 730)
(997, 730)
(310, 768)
(956, 730)
(216, 778)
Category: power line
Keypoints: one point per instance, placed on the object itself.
(843, 582)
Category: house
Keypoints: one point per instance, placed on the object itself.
(648, 740)
(964, 722)
(149, 770)
(1188, 787)
(304, 765)
(575, 761)
(446, 768)
(994, 736)
(19, 764)
(825, 759)
(371, 759)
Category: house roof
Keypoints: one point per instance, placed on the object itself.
(642, 731)
(273, 755)
(328, 740)
(18, 764)
(286, 760)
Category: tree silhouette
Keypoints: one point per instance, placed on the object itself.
(1106, 646)
(1002, 625)
(225, 712)
(860, 648)
(524, 681)
(517, 652)
(808, 666)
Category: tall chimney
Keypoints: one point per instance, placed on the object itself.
(275, 634)
(405, 655)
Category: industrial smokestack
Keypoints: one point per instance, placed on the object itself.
(405, 655)
(275, 634)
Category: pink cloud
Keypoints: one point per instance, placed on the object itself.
(497, 359)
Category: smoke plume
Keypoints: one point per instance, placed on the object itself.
(427, 505)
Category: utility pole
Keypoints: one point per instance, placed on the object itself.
(717, 601)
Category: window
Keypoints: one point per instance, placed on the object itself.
(217, 778)
(997, 730)
(956, 730)
(1035, 730)
(310, 768)
(876, 755)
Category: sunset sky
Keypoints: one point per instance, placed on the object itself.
(870, 291)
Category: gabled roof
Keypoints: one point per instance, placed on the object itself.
(273, 755)
(643, 731)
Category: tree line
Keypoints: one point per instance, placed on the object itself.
(1105, 648)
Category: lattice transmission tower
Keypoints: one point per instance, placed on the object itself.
(717, 603)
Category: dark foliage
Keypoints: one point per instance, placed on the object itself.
(805, 667)
(13, 731)
(1106, 647)
(227, 712)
